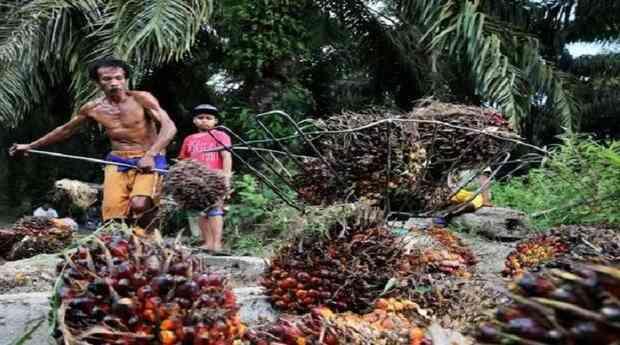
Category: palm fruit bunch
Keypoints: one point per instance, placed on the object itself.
(34, 235)
(564, 246)
(358, 159)
(532, 253)
(195, 187)
(424, 145)
(457, 303)
(345, 266)
(445, 131)
(560, 307)
(437, 250)
(589, 243)
(384, 325)
(121, 289)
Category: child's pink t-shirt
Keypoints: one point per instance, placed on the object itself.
(194, 146)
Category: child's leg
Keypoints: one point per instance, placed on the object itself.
(216, 224)
(205, 229)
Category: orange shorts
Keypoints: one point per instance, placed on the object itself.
(120, 187)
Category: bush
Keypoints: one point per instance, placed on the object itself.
(578, 183)
(257, 216)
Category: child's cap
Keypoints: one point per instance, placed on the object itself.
(204, 109)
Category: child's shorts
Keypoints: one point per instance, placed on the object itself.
(215, 212)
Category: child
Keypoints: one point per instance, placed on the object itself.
(194, 147)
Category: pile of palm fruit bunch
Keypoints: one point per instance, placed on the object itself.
(560, 307)
(564, 246)
(457, 303)
(438, 250)
(359, 159)
(391, 322)
(423, 148)
(30, 236)
(194, 186)
(346, 267)
(354, 260)
(444, 130)
(122, 289)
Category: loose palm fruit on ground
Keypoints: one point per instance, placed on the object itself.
(122, 289)
(322, 327)
(534, 252)
(560, 307)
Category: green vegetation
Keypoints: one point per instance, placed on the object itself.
(578, 183)
(257, 217)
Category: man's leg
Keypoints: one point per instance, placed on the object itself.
(143, 211)
(115, 203)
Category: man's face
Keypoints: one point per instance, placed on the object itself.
(112, 80)
(205, 121)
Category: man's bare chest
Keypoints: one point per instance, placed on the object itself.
(125, 115)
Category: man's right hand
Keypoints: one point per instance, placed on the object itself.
(19, 149)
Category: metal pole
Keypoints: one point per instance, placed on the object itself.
(92, 160)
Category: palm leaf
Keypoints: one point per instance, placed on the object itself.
(42, 42)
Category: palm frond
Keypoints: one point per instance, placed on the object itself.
(49, 40)
(505, 63)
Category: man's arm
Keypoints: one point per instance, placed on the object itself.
(59, 133)
(167, 128)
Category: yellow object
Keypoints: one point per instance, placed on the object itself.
(120, 187)
(464, 195)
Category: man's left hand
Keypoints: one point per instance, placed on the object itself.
(146, 163)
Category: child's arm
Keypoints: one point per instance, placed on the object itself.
(227, 162)
(226, 158)
(183, 154)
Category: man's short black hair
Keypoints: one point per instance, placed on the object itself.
(107, 62)
(205, 109)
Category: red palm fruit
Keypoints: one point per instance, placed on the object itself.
(211, 279)
(149, 315)
(505, 314)
(190, 289)
(162, 284)
(488, 332)
(167, 337)
(152, 303)
(534, 286)
(315, 281)
(138, 279)
(527, 327)
(124, 270)
(180, 269)
(169, 324)
(145, 292)
(119, 248)
(229, 298)
(123, 287)
(301, 294)
(303, 277)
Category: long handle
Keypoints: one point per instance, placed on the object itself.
(92, 160)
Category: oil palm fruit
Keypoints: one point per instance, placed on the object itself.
(386, 325)
(422, 147)
(34, 235)
(345, 268)
(565, 246)
(560, 307)
(121, 289)
(532, 253)
(194, 186)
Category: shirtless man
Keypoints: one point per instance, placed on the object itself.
(129, 119)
